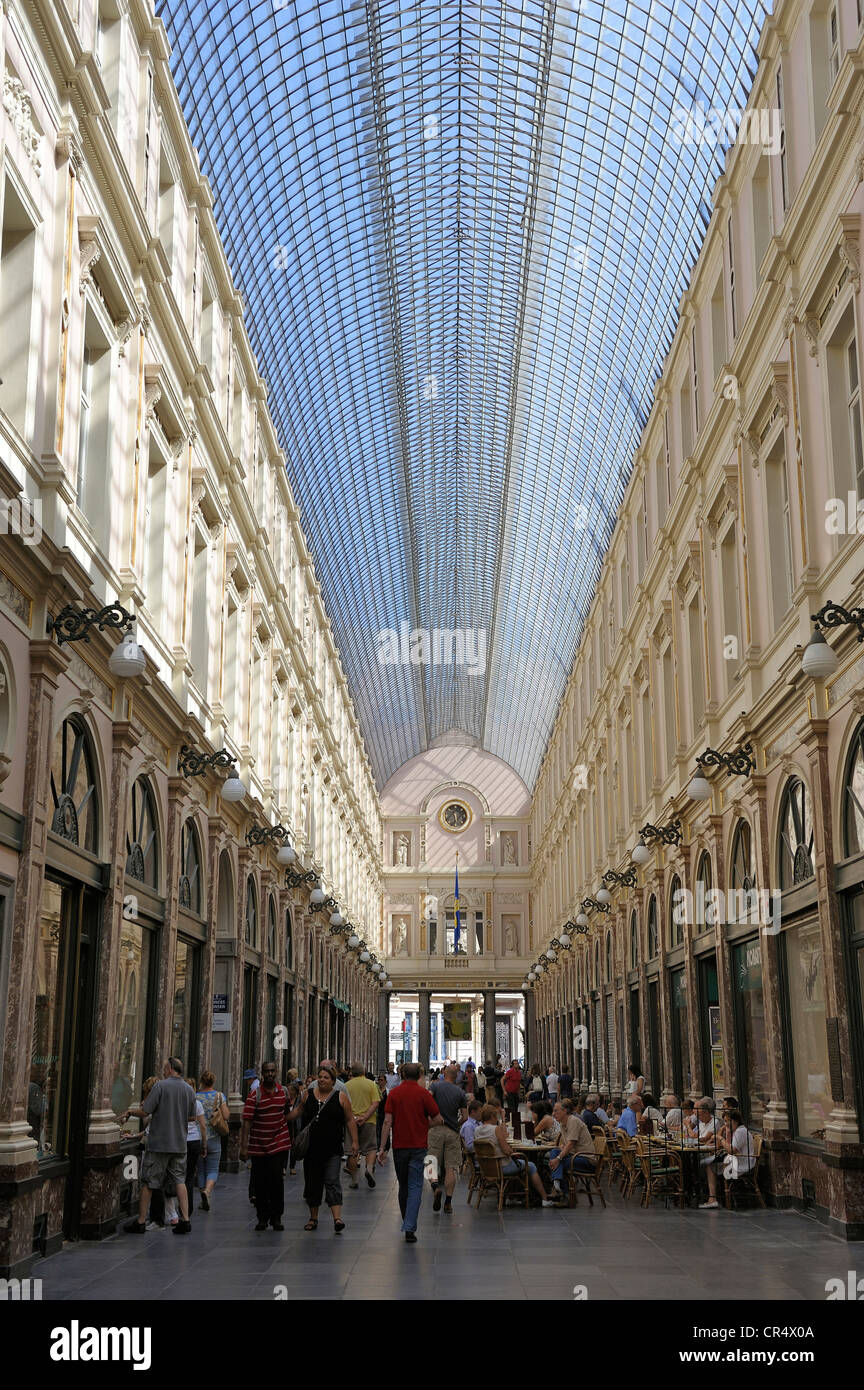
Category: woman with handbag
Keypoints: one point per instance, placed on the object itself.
(325, 1113)
(216, 1115)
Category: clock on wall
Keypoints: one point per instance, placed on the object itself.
(455, 816)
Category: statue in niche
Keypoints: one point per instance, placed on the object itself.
(511, 943)
(508, 849)
(400, 936)
(403, 847)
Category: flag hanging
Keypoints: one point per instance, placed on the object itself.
(458, 929)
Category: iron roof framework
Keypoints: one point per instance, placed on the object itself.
(462, 232)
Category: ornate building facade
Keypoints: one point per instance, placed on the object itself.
(139, 466)
(731, 961)
(454, 800)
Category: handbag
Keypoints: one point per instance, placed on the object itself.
(303, 1138)
(218, 1123)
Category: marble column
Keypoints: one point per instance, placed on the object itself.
(383, 1029)
(424, 1026)
(530, 1028)
(489, 1048)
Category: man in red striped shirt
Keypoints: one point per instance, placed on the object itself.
(264, 1137)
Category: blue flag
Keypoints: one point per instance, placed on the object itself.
(458, 929)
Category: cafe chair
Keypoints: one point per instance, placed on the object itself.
(469, 1161)
(747, 1183)
(662, 1172)
(493, 1178)
(627, 1153)
(589, 1183)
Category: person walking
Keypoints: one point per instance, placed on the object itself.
(196, 1142)
(365, 1099)
(214, 1104)
(410, 1112)
(512, 1082)
(492, 1080)
(170, 1105)
(444, 1144)
(329, 1112)
(296, 1096)
(264, 1138)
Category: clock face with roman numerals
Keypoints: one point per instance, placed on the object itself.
(455, 816)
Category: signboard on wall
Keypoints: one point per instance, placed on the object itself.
(221, 1014)
(457, 1022)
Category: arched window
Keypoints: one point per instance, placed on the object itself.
(795, 835)
(677, 911)
(226, 912)
(251, 913)
(743, 877)
(597, 965)
(853, 797)
(73, 787)
(271, 928)
(634, 941)
(142, 850)
(704, 906)
(289, 939)
(608, 957)
(653, 937)
(190, 868)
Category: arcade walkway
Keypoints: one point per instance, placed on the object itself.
(620, 1253)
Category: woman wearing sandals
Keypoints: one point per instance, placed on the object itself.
(328, 1111)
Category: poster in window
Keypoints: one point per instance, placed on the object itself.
(714, 1024)
(457, 1022)
(718, 1071)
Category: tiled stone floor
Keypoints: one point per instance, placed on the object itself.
(623, 1252)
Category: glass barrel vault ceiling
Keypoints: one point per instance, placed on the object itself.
(461, 232)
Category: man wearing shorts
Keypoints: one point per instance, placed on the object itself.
(364, 1097)
(444, 1144)
(171, 1105)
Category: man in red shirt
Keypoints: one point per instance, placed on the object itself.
(265, 1137)
(512, 1082)
(409, 1112)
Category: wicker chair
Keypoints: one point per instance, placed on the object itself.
(589, 1183)
(492, 1176)
(469, 1162)
(628, 1154)
(747, 1182)
(662, 1171)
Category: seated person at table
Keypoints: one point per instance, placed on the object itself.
(546, 1127)
(629, 1120)
(590, 1114)
(673, 1120)
(604, 1116)
(470, 1125)
(690, 1122)
(735, 1139)
(577, 1153)
(496, 1134)
(650, 1116)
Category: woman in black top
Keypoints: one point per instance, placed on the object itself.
(331, 1112)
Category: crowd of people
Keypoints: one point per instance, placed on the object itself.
(339, 1121)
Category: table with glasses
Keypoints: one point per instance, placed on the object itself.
(537, 1153)
(686, 1148)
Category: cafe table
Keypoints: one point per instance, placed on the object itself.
(536, 1153)
(663, 1143)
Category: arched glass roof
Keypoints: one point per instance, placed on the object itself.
(462, 232)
